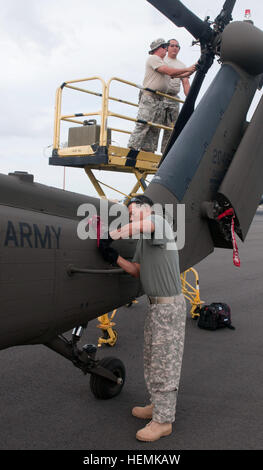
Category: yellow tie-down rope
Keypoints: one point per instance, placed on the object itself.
(105, 324)
(191, 293)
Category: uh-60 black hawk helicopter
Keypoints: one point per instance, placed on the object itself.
(213, 164)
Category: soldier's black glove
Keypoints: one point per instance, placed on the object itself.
(105, 242)
(109, 254)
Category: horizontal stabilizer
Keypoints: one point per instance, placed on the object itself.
(243, 183)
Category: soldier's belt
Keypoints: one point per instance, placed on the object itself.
(153, 95)
(161, 300)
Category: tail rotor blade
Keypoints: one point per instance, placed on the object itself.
(182, 17)
(225, 16)
(229, 5)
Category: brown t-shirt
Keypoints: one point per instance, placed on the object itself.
(174, 83)
(154, 79)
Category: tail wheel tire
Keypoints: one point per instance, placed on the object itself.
(103, 388)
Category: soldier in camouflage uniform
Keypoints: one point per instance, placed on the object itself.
(163, 356)
(157, 73)
(156, 263)
(145, 137)
(171, 107)
(170, 115)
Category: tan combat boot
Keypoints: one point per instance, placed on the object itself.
(143, 412)
(153, 431)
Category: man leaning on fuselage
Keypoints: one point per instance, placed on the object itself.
(156, 263)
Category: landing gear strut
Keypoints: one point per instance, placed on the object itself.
(107, 375)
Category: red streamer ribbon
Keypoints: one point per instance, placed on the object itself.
(230, 212)
(95, 221)
(236, 259)
(98, 230)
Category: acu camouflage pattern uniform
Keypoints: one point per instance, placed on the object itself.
(164, 334)
(145, 137)
(170, 115)
(164, 329)
(171, 108)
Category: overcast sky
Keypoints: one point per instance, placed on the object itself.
(47, 42)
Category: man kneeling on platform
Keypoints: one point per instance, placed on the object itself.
(164, 330)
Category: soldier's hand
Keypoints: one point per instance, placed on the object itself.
(192, 68)
(109, 254)
(115, 235)
(105, 240)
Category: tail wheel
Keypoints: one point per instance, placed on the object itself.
(103, 388)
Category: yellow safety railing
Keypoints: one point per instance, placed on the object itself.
(104, 111)
(128, 118)
(69, 118)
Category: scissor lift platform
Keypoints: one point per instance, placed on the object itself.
(98, 152)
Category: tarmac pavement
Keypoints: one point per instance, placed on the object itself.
(46, 403)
